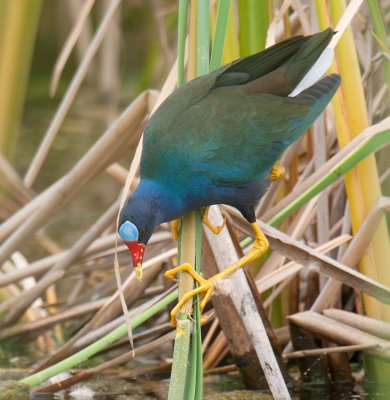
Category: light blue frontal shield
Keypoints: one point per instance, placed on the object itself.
(128, 231)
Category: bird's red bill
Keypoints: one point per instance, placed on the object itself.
(137, 251)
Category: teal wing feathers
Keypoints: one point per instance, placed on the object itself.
(233, 139)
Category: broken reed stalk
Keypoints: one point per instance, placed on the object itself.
(242, 298)
(237, 339)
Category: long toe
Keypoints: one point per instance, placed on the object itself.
(187, 296)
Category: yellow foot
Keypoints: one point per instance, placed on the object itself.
(175, 228)
(206, 221)
(205, 289)
(207, 286)
(277, 172)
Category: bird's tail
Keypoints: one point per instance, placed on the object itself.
(322, 91)
(302, 61)
(289, 67)
(320, 95)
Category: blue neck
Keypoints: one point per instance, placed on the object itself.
(157, 202)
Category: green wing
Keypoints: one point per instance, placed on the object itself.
(233, 138)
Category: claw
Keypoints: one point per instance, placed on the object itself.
(277, 172)
(207, 286)
(205, 219)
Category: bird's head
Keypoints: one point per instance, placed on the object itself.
(130, 235)
(136, 225)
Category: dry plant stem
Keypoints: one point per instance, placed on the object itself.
(108, 76)
(85, 37)
(109, 285)
(128, 356)
(70, 95)
(328, 350)
(312, 368)
(167, 88)
(42, 265)
(45, 323)
(96, 334)
(222, 354)
(20, 303)
(11, 179)
(354, 253)
(366, 324)
(150, 333)
(271, 33)
(345, 227)
(118, 172)
(101, 247)
(160, 369)
(220, 343)
(337, 332)
(305, 255)
(221, 370)
(113, 144)
(287, 271)
(319, 146)
(225, 254)
(296, 230)
(237, 339)
(269, 198)
(364, 178)
(132, 290)
(276, 346)
(365, 135)
(209, 335)
(69, 44)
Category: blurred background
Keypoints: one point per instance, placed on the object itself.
(44, 44)
(136, 53)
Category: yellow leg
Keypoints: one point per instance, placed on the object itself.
(175, 228)
(206, 221)
(277, 172)
(206, 287)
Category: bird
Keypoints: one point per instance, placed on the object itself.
(217, 140)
